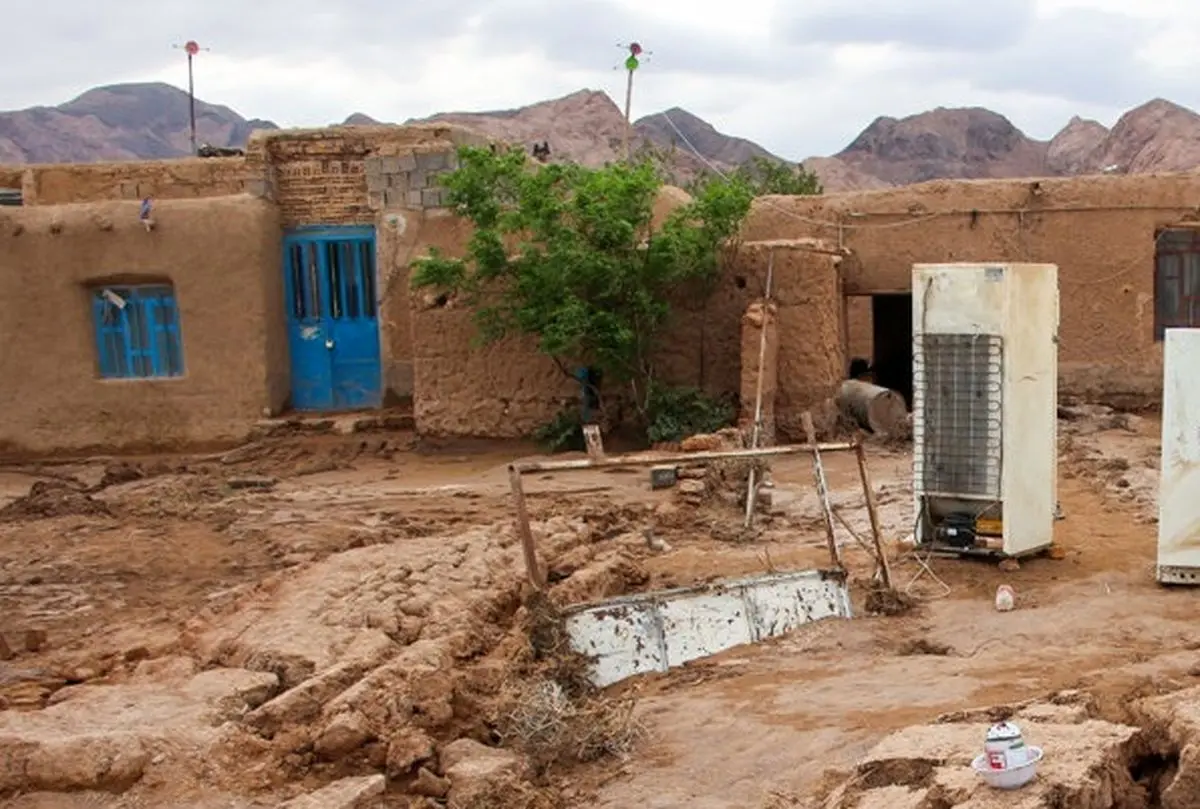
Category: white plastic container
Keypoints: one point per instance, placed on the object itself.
(1011, 778)
(1004, 748)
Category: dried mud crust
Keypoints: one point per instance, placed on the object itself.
(1089, 762)
(54, 498)
(377, 658)
(382, 605)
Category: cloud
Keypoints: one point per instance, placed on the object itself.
(930, 25)
(800, 78)
(1080, 55)
(677, 46)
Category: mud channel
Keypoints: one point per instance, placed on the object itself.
(329, 620)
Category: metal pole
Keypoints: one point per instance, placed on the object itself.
(628, 122)
(192, 103)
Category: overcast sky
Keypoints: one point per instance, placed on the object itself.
(800, 78)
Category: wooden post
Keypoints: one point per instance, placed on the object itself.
(524, 532)
(810, 432)
(884, 569)
(756, 429)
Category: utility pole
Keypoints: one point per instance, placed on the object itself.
(631, 64)
(192, 48)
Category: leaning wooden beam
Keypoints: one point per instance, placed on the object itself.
(612, 461)
(524, 532)
(751, 486)
(881, 560)
(822, 490)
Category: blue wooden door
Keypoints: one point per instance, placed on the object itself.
(333, 318)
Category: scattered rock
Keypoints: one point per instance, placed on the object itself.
(407, 749)
(341, 737)
(35, 640)
(1087, 764)
(348, 793)
(476, 771)
(430, 785)
(120, 472)
(1009, 565)
(54, 498)
(137, 654)
(6, 653)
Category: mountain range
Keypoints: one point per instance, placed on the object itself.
(146, 121)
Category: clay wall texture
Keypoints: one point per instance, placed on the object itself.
(222, 252)
(1100, 231)
(760, 370)
(58, 184)
(805, 291)
(222, 256)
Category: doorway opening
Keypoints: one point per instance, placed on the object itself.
(891, 340)
(333, 318)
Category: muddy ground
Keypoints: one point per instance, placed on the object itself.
(318, 608)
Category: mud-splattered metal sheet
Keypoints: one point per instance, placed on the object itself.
(658, 631)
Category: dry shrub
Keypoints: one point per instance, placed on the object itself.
(552, 713)
(551, 728)
(553, 658)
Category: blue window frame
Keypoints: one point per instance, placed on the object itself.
(137, 331)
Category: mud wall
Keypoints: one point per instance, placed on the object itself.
(760, 369)
(1100, 231)
(58, 184)
(805, 287)
(221, 255)
(508, 389)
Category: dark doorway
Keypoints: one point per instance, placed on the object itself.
(891, 317)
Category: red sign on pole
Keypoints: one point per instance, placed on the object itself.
(192, 47)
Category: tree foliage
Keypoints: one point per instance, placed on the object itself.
(566, 254)
(765, 176)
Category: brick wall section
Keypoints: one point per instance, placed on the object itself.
(347, 175)
(96, 182)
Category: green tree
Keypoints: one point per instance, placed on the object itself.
(566, 254)
(766, 176)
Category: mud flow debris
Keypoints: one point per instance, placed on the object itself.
(335, 618)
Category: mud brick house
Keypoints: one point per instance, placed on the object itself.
(273, 281)
(279, 281)
(1127, 248)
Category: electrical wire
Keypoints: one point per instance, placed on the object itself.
(766, 203)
